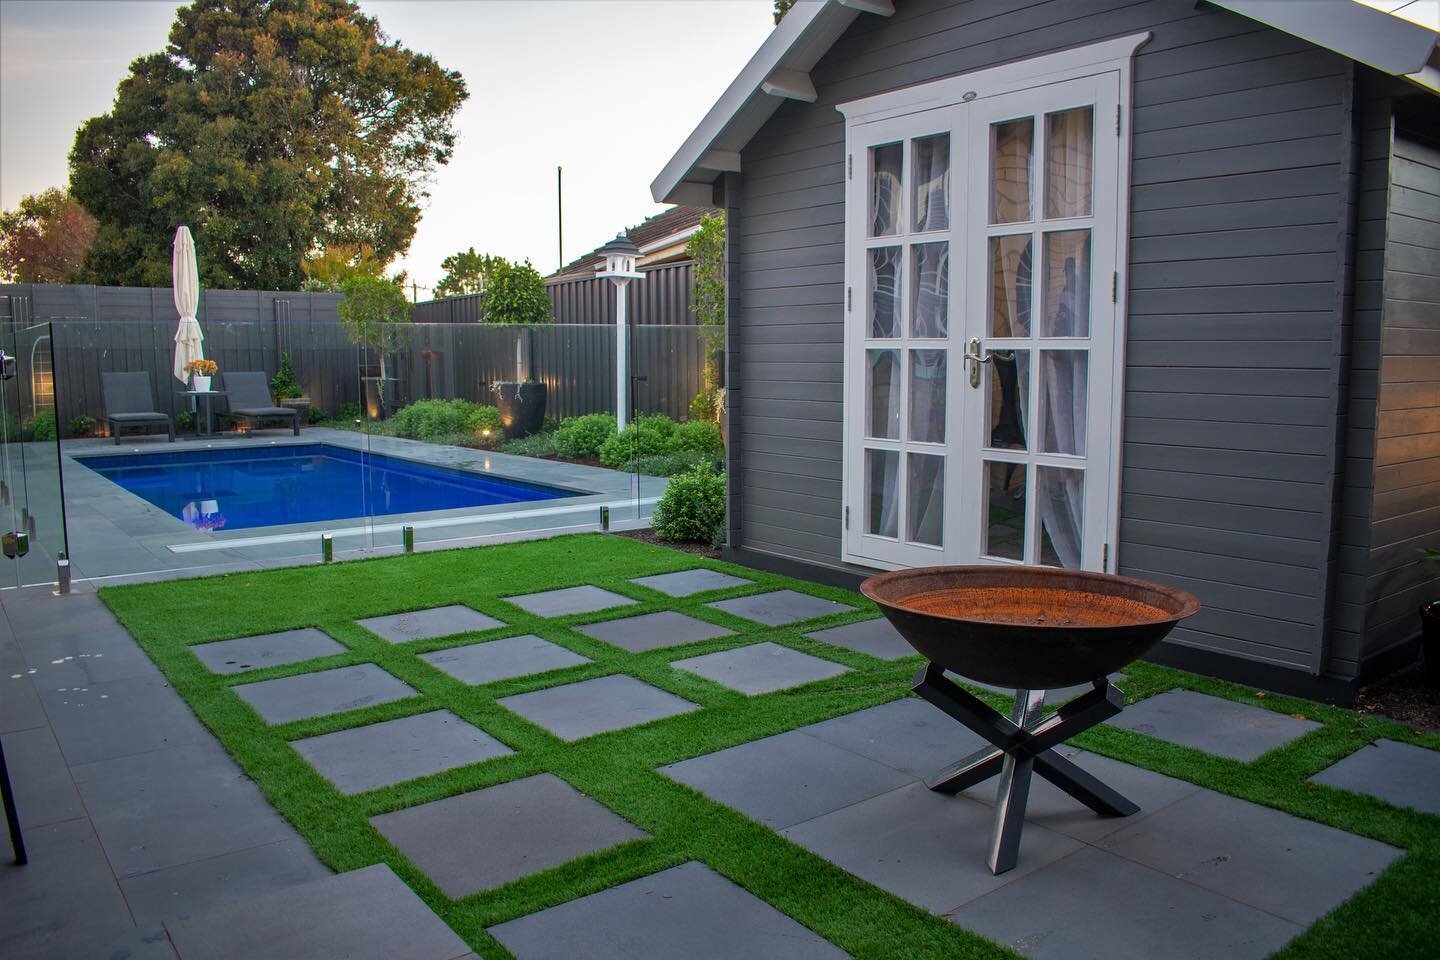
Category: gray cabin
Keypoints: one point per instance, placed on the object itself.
(1146, 287)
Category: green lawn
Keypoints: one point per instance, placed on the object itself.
(1399, 916)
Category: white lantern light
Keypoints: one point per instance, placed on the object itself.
(620, 257)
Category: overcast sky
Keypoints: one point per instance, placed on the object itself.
(542, 78)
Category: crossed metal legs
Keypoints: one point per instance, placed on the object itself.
(1022, 745)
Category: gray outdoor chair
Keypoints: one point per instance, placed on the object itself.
(130, 404)
(249, 397)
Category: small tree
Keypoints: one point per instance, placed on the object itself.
(466, 272)
(515, 293)
(706, 250)
(372, 311)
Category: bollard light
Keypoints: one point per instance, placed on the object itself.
(605, 519)
(407, 537)
(327, 547)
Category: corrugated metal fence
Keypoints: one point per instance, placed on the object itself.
(663, 297)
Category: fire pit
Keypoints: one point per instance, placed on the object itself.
(1033, 629)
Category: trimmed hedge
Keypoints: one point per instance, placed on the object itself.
(692, 508)
(582, 437)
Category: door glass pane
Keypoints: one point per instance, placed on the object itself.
(1012, 145)
(1067, 285)
(885, 293)
(925, 499)
(1063, 401)
(927, 396)
(1069, 162)
(885, 189)
(884, 367)
(929, 289)
(1060, 498)
(1007, 398)
(1010, 267)
(1004, 510)
(881, 501)
(930, 170)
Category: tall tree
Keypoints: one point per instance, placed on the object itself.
(274, 129)
(44, 239)
(466, 272)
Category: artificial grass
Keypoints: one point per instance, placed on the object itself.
(1397, 916)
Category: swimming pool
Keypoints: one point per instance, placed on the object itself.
(246, 487)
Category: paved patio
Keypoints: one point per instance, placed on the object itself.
(146, 840)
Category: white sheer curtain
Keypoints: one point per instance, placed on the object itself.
(1061, 499)
(885, 163)
(930, 166)
(883, 467)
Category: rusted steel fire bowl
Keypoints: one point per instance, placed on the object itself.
(1029, 628)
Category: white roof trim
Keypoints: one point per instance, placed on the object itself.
(1377, 39)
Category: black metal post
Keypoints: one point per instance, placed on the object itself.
(12, 817)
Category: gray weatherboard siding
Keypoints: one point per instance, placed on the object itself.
(1244, 174)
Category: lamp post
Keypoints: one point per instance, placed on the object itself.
(620, 256)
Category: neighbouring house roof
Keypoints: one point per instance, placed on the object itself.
(660, 238)
(780, 70)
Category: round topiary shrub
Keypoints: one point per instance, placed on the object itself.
(582, 437)
(701, 436)
(482, 420)
(646, 437)
(692, 508)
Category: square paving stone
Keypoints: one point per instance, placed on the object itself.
(908, 735)
(576, 710)
(502, 659)
(266, 650)
(760, 668)
(363, 913)
(561, 603)
(651, 631)
(317, 694)
(924, 847)
(119, 718)
(690, 582)
(1094, 904)
(875, 637)
(780, 607)
(377, 755)
(1398, 773)
(687, 911)
(1293, 868)
(785, 779)
(202, 885)
(427, 624)
(1218, 726)
(480, 840)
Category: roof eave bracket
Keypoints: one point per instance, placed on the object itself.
(881, 8)
(789, 84)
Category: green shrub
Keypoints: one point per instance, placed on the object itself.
(582, 437)
(693, 508)
(184, 420)
(349, 412)
(699, 435)
(645, 437)
(535, 445)
(318, 416)
(284, 385)
(675, 462)
(481, 420)
(437, 421)
(42, 426)
(703, 406)
(82, 426)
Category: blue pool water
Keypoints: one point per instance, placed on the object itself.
(264, 486)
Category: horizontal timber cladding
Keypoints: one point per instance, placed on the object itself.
(1234, 283)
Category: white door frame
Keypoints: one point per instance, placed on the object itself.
(1113, 56)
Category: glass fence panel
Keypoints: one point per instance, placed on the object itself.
(33, 534)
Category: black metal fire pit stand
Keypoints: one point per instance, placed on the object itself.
(1022, 745)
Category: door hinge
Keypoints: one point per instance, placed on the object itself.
(1117, 119)
(847, 518)
(1105, 559)
(1115, 287)
(850, 166)
(848, 298)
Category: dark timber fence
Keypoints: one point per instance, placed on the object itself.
(663, 297)
(99, 329)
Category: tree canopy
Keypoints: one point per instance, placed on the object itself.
(465, 272)
(274, 129)
(44, 239)
(515, 293)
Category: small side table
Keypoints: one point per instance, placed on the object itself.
(209, 397)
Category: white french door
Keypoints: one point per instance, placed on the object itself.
(982, 241)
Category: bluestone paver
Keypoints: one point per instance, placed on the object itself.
(368, 913)
(687, 583)
(266, 650)
(202, 885)
(1096, 904)
(1398, 773)
(568, 601)
(784, 779)
(1212, 724)
(780, 607)
(908, 734)
(44, 790)
(575, 710)
(495, 660)
(875, 637)
(479, 840)
(1293, 868)
(760, 668)
(652, 631)
(379, 754)
(119, 718)
(428, 624)
(324, 692)
(687, 911)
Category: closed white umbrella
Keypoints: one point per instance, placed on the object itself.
(186, 278)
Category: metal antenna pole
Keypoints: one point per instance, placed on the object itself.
(560, 217)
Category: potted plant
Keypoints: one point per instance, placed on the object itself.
(372, 312)
(1430, 628)
(287, 390)
(515, 294)
(200, 373)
